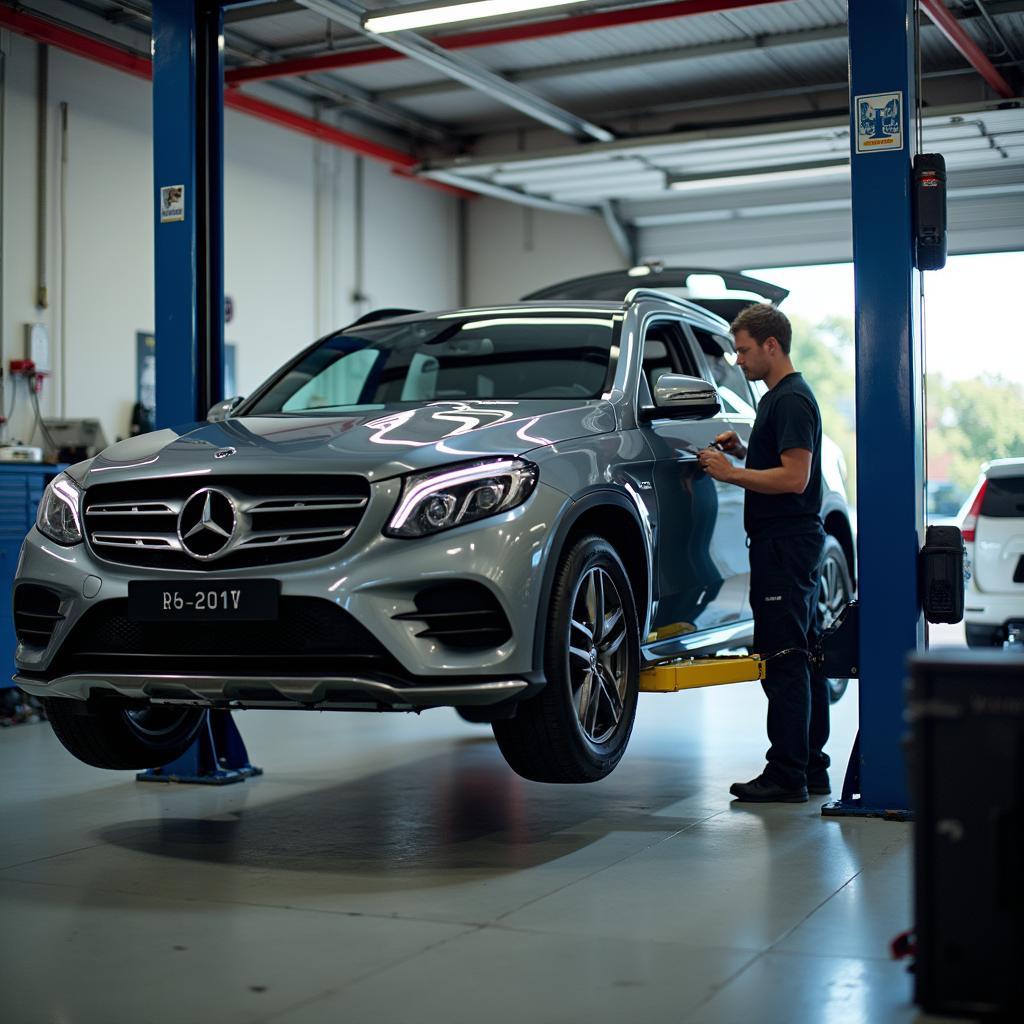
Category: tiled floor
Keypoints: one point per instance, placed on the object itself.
(391, 869)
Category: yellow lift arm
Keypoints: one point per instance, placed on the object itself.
(687, 674)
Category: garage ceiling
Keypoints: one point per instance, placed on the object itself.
(601, 107)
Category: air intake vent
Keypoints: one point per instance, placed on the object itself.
(256, 521)
(36, 614)
(460, 614)
(310, 636)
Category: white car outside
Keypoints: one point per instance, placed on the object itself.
(993, 529)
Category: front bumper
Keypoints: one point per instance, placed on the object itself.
(372, 578)
(315, 693)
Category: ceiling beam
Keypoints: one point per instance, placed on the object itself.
(948, 25)
(497, 36)
(633, 60)
(350, 15)
(132, 63)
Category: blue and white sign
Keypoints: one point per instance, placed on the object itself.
(879, 122)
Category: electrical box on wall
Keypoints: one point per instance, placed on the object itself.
(37, 346)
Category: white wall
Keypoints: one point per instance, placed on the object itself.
(290, 257)
(514, 250)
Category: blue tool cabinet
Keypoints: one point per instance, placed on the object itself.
(21, 488)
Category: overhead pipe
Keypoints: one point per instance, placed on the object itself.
(494, 37)
(42, 167)
(943, 19)
(120, 59)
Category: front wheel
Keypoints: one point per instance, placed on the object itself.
(835, 591)
(577, 728)
(117, 737)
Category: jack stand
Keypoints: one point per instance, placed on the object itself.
(217, 757)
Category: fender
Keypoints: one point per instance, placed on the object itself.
(591, 499)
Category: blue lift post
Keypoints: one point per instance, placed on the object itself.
(188, 170)
(890, 395)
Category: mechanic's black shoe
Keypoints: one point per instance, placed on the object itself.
(818, 785)
(764, 791)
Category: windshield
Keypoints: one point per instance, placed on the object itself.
(544, 356)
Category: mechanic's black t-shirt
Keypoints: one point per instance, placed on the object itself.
(787, 417)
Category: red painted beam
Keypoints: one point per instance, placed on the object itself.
(943, 19)
(495, 36)
(317, 129)
(43, 31)
(120, 59)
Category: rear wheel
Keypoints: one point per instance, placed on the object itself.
(577, 728)
(835, 591)
(117, 737)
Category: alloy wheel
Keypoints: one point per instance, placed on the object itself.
(598, 658)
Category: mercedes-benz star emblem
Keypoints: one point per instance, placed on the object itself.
(223, 453)
(207, 523)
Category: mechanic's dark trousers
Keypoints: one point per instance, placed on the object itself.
(783, 595)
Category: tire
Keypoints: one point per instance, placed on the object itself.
(835, 589)
(118, 737)
(983, 636)
(573, 731)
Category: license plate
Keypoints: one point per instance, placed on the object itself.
(208, 601)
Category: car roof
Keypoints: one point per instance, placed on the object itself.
(652, 295)
(1003, 467)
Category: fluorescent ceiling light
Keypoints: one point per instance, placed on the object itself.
(740, 180)
(400, 19)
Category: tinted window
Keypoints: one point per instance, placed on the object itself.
(730, 380)
(666, 351)
(1004, 497)
(561, 357)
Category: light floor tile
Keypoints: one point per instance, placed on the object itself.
(507, 978)
(99, 958)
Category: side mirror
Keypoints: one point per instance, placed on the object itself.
(223, 410)
(682, 397)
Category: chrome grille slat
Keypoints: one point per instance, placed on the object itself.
(281, 538)
(137, 540)
(140, 508)
(302, 504)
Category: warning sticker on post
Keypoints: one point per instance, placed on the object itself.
(172, 203)
(879, 122)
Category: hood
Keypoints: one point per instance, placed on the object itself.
(377, 444)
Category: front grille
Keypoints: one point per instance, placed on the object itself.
(279, 519)
(310, 636)
(36, 614)
(460, 614)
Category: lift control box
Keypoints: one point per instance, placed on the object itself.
(942, 569)
(929, 211)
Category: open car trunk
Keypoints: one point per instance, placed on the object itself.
(616, 284)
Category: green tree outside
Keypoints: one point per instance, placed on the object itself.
(969, 421)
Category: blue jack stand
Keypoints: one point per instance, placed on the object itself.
(217, 757)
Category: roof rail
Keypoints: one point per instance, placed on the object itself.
(675, 300)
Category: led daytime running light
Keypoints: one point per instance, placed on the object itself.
(441, 481)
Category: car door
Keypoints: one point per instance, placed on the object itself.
(739, 406)
(693, 585)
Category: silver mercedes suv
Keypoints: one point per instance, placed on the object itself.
(498, 510)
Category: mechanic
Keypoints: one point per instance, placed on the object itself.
(782, 480)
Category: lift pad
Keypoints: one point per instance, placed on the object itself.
(690, 673)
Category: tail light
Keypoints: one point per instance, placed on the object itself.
(970, 523)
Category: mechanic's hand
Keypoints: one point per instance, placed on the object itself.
(715, 464)
(730, 442)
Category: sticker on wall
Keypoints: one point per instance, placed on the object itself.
(172, 203)
(879, 122)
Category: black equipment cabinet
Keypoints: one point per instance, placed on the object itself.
(967, 780)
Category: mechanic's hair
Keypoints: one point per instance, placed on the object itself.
(763, 321)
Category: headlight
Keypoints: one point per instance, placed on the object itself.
(57, 517)
(439, 500)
